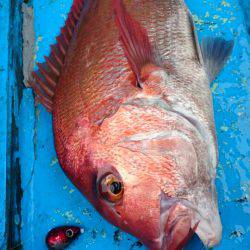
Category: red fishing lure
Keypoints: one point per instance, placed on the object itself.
(61, 237)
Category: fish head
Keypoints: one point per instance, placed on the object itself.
(141, 171)
(148, 181)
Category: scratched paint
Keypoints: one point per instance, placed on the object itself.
(10, 77)
(49, 199)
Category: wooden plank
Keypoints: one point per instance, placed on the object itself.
(15, 80)
(10, 77)
(4, 132)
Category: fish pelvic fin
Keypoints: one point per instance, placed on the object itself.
(215, 53)
(134, 39)
(46, 77)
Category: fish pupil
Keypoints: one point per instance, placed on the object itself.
(115, 187)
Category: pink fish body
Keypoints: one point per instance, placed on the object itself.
(128, 88)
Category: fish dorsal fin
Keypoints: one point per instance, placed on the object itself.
(215, 52)
(48, 73)
(134, 39)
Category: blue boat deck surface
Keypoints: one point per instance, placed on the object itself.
(48, 197)
(4, 133)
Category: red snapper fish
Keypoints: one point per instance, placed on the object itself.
(128, 86)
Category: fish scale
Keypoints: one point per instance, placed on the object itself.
(83, 89)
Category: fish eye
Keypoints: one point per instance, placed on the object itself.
(69, 233)
(111, 188)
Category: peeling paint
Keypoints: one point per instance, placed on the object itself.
(28, 42)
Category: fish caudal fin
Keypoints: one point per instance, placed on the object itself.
(215, 52)
(134, 39)
(48, 73)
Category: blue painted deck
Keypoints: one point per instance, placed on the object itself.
(49, 199)
(4, 132)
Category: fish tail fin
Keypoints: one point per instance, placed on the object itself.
(46, 77)
(134, 39)
(215, 53)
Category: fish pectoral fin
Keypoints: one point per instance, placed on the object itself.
(134, 39)
(47, 75)
(215, 52)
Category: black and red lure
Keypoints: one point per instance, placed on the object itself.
(61, 237)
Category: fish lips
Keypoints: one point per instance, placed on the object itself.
(179, 220)
(176, 223)
(209, 229)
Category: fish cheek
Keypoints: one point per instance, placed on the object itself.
(110, 212)
(140, 210)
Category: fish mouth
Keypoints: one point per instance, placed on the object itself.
(180, 220)
(209, 229)
(206, 210)
(176, 224)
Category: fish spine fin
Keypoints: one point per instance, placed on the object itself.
(215, 53)
(46, 77)
(134, 39)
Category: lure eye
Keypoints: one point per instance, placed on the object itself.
(69, 233)
(111, 188)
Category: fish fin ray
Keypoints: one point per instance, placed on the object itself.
(195, 38)
(215, 53)
(134, 39)
(45, 78)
